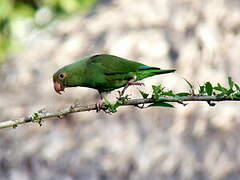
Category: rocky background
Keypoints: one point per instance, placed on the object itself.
(199, 38)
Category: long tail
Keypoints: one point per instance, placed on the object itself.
(147, 71)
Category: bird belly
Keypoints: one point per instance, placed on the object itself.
(109, 82)
(116, 81)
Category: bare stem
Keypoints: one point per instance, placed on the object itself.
(39, 116)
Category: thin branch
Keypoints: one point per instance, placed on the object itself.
(39, 116)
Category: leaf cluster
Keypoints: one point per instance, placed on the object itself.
(112, 107)
(233, 89)
(159, 92)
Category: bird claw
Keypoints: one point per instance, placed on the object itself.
(130, 83)
(136, 83)
(99, 105)
(120, 93)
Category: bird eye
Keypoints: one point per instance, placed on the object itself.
(61, 76)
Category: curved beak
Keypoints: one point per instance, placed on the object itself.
(58, 87)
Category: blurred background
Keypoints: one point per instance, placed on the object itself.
(200, 38)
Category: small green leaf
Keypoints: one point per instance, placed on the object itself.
(202, 90)
(183, 94)
(162, 104)
(230, 82)
(209, 88)
(220, 88)
(35, 116)
(157, 91)
(112, 108)
(124, 98)
(237, 87)
(144, 95)
(190, 85)
(229, 92)
(223, 91)
(237, 95)
(168, 93)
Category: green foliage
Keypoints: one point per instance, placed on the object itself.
(208, 88)
(162, 104)
(219, 90)
(144, 95)
(191, 87)
(159, 93)
(36, 119)
(189, 84)
(181, 94)
(230, 83)
(15, 12)
(111, 107)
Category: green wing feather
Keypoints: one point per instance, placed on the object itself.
(107, 72)
(114, 65)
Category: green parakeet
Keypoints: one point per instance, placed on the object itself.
(104, 73)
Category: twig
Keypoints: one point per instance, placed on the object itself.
(40, 115)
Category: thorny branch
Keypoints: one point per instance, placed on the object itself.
(160, 97)
(40, 115)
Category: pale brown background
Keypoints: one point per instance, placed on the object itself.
(200, 38)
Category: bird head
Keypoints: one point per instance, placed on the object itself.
(68, 76)
(59, 81)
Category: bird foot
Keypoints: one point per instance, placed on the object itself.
(99, 105)
(130, 83)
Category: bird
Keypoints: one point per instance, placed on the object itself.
(105, 73)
